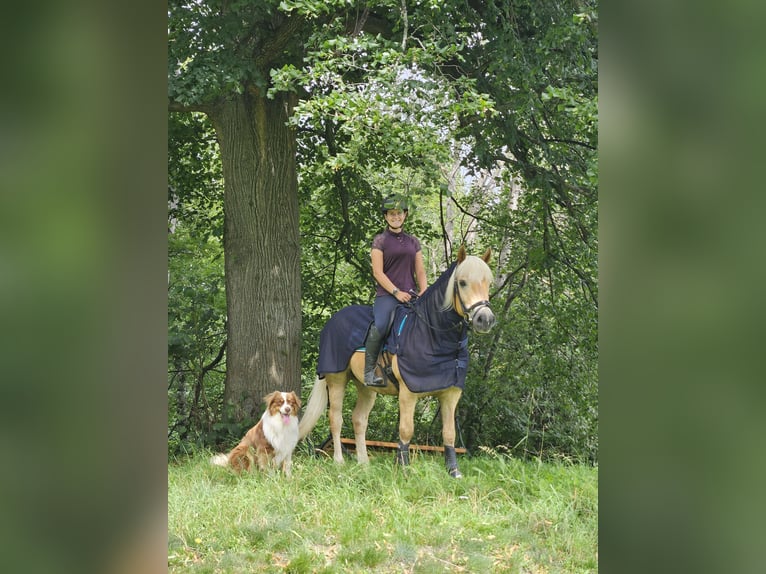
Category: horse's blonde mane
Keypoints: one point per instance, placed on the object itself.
(473, 269)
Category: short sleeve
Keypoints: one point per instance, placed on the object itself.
(377, 241)
(417, 243)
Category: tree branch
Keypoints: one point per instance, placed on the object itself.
(210, 366)
(510, 276)
(476, 217)
(174, 106)
(405, 25)
(567, 263)
(360, 21)
(265, 53)
(444, 227)
(570, 142)
(530, 170)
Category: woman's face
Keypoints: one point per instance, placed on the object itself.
(395, 218)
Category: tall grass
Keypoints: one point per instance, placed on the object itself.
(505, 515)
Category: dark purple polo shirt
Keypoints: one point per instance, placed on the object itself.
(399, 251)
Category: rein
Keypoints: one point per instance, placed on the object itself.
(422, 316)
(466, 319)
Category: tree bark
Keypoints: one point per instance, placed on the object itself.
(262, 246)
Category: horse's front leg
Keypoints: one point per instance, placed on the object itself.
(407, 402)
(365, 400)
(335, 391)
(448, 400)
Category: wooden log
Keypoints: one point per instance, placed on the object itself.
(393, 445)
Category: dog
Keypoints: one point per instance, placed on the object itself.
(271, 441)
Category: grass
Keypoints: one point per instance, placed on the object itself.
(505, 515)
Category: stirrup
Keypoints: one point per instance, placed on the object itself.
(375, 381)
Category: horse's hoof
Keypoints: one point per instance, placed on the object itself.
(455, 473)
(403, 459)
(403, 454)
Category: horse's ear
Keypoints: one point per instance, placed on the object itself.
(461, 254)
(487, 255)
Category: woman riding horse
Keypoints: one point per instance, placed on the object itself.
(427, 349)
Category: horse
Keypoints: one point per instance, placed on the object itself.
(426, 354)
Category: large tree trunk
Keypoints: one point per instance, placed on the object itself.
(262, 250)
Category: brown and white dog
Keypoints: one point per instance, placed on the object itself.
(271, 441)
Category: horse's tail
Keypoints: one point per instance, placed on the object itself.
(314, 408)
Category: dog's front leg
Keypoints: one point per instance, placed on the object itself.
(263, 459)
(287, 466)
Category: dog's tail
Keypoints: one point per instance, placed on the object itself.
(220, 459)
(314, 409)
(240, 458)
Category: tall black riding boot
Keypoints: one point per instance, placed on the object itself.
(372, 348)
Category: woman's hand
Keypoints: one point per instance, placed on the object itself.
(403, 296)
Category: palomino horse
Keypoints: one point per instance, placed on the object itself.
(427, 350)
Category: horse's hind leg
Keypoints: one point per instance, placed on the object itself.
(448, 400)
(365, 400)
(336, 388)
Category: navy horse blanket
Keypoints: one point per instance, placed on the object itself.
(431, 344)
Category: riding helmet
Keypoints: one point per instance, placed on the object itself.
(394, 202)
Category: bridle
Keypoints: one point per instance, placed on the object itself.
(469, 311)
(466, 320)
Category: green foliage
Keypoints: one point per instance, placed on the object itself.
(217, 48)
(196, 296)
(312, 8)
(485, 116)
(196, 337)
(195, 180)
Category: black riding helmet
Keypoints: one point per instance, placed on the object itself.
(394, 202)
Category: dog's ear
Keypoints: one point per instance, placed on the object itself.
(267, 399)
(487, 255)
(296, 399)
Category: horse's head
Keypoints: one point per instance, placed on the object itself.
(468, 291)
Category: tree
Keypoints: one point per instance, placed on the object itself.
(220, 54)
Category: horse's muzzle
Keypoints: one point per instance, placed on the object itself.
(483, 320)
